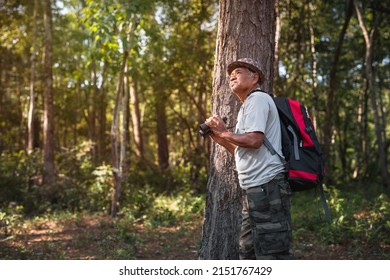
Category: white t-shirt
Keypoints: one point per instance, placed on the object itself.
(258, 166)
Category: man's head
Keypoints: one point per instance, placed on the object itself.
(250, 64)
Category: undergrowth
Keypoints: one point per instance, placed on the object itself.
(360, 221)
(115, 239)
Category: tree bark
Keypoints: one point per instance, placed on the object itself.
(102, 120)
(119, 135)
(278, 30)
(246, 29)
(116, 149)
(136, 119)
(162, 139)
(48, 112)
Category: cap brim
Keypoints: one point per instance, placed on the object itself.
(238, 64)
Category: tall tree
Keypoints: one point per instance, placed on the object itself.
(379, 129)
(119, 135)
(32, 117)
(245, 29)
(313, 65)
(330, 108)
(136, 120)
(48, 111)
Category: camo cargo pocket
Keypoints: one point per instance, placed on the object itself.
(272, 238)
(259, 205)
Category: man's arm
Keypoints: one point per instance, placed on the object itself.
(228, 145)
(230, 140)
(252, 140)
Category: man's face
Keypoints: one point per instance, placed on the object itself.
(241, 80)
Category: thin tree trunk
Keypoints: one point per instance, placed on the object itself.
(330, 110)
(245, 29)
(101, 139)
(2, 117)
(369, 39)
(48, 112)
(93, 114)
(162, 139)
(278, 29)
(360, 136)
(118, 139)
(115, 139)
(123, 145)
(32, 119)
(313, 69)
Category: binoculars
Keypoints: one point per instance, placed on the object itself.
(205, 130)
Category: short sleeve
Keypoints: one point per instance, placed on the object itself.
(256, 113)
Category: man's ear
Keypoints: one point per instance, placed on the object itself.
(257, 77)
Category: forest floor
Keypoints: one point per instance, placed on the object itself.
(100, 237)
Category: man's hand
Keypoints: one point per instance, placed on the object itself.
(230, 140)
(216, 124)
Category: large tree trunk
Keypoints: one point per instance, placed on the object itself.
(48, 112)
(369, 40)
(246, 29)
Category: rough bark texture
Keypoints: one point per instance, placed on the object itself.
(246, 29)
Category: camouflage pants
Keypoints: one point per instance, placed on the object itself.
(266, 221)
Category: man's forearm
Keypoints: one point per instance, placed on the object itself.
(252, 140)
(226, 144)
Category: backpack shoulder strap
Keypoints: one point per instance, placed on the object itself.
(324, 204)
(268, 144)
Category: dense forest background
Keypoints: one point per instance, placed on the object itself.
(100, 103)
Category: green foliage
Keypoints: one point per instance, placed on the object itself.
(360, 220)
(10, 218)
(168, 210)
(18, 176)
(155, 209)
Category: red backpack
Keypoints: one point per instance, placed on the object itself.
(302, 154)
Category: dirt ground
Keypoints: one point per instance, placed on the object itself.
(97, 237)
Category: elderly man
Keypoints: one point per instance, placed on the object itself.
(266, 220)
